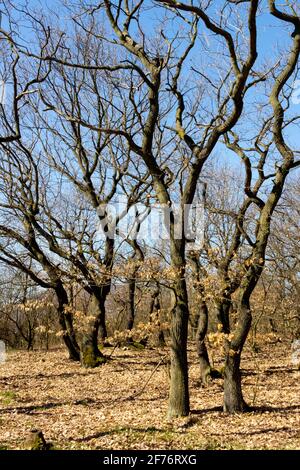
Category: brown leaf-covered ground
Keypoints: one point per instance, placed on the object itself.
(122, 405)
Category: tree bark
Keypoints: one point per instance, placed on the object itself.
(233, 396)
(179, 391)
(31, 335)
(98, 329)
(105, 289)
(155, 308)
(194, 322)
(131, 304)
(138, 255)
(202, 322)
(66, 323)
(161, 337)
(102, 333)
(223, 309)
(90, 355)
(205, 369)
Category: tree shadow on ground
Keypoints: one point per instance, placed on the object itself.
(119, 430)
(32, 409)
(207, 410)
(280, 369)
(253, 433)
(252, 409)
(274, 409)
(62, 375)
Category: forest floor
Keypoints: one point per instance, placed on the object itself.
(123, 404)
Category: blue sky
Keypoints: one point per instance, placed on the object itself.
(273, 41)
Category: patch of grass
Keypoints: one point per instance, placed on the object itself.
(7, 397)
(213, 444)
(136, 345)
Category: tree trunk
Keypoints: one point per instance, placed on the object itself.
(202, 322)
(72, 347)
(138, 255)
(66, 323)
(90, 355)
(31, 335)
(30, 344)
(179, 393)
(131, 304)
(102, 333)
(233, 396)
(222, 314)
(205, 369)
(47, 341)
(155, 309)
(99, 312)
(72, 336)
(179, 390)
(103, 291)
(297, 328)
(194, 322)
